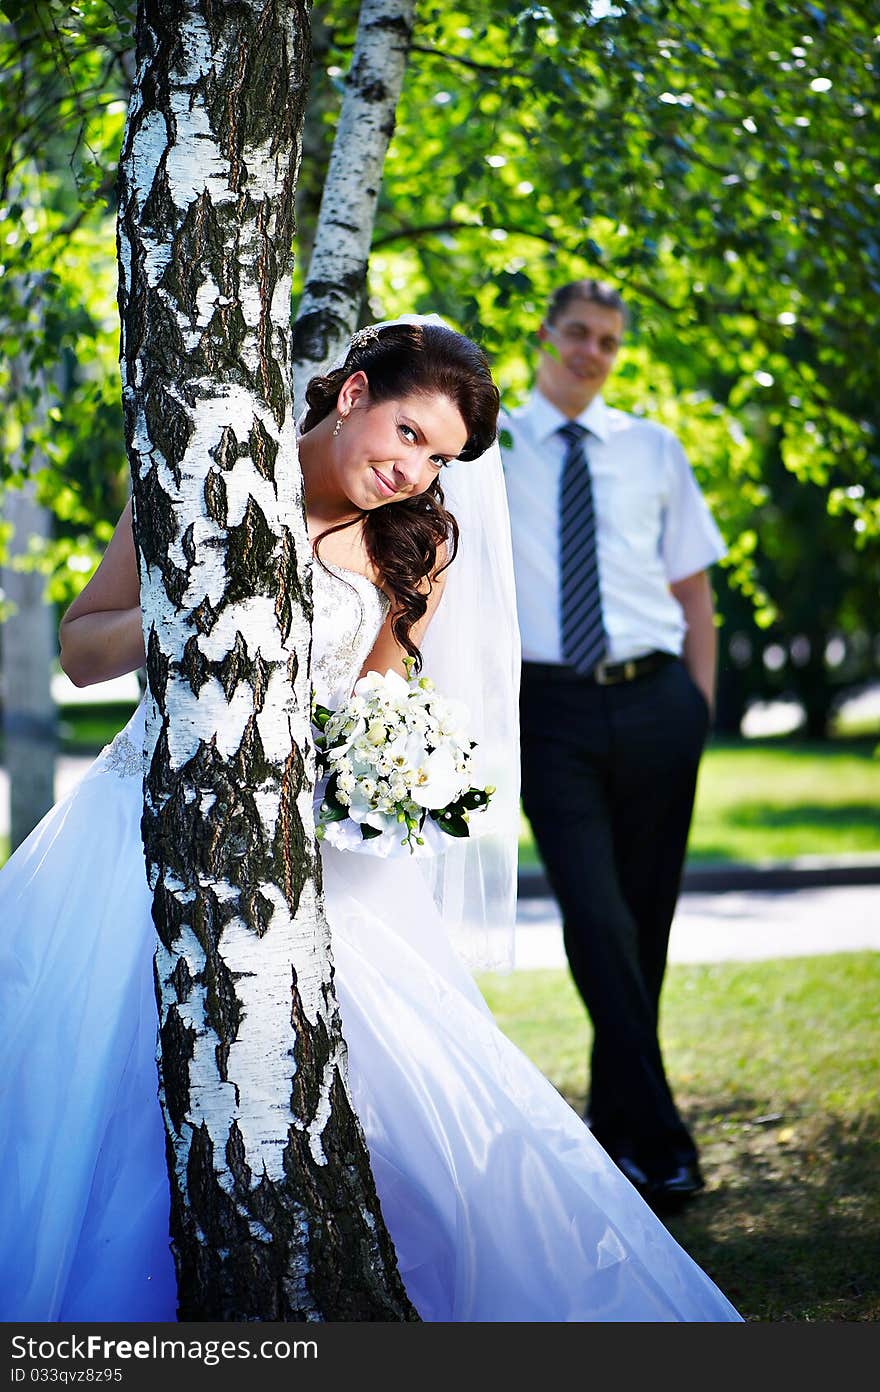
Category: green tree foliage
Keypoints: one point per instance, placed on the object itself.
(713, 161)
(717, 164)
(63, 97)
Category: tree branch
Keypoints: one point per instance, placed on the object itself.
(413, 234)
(490, 68)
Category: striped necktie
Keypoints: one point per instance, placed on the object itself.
(584, 640)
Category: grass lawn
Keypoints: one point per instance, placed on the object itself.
(767, 799)
(774, 799)
(775, 1066)
(86, 729)
(761, 799)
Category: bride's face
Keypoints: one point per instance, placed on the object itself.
(389, 450)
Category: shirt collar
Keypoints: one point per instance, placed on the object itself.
(545, 418)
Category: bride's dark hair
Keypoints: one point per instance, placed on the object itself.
(403, 538)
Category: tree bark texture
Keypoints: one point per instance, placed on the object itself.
(334, 290)
(274, 1210)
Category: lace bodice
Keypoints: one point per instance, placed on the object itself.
(349, 611)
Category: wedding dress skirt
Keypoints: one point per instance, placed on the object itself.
(501, 1205)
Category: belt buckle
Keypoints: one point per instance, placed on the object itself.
(626, 671)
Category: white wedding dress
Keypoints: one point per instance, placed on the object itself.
(501, 1205)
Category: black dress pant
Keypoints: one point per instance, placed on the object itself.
(608, 778)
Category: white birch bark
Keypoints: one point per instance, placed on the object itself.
(274, 1212)
(330, 305)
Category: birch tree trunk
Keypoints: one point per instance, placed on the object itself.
(317, 140)
(274, 1211)
(334, 289)
(28, 647)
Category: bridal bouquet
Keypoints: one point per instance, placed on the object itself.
(398, 765)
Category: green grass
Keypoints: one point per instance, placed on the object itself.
(775, 1066)
(775, 799)
(769, 799)
(86, 729)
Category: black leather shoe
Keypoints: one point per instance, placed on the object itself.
(633, 1171)
(673, 1190)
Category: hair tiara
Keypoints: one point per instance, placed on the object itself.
(362, 338)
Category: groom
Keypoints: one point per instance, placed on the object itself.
(612, 540)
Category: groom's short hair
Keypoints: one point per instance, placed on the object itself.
(594, 291)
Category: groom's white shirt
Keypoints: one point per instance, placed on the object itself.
(653, 526)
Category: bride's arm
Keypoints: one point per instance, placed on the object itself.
(101, 635)
(386, 652)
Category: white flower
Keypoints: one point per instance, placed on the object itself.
(397, 748)
(437, 781)
(452, 718)
(405, 751)
(359, 749)
(389, 688)
(362, 808)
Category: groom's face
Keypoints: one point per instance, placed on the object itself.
(580, 346)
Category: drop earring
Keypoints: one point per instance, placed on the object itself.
(337, 427)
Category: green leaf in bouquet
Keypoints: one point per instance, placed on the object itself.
(320, 716)
(453, 823)
(332, 809)
(369, 833)
(472, 799)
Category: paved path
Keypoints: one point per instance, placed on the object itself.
(735, 926)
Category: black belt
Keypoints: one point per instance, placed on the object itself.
(605, 673)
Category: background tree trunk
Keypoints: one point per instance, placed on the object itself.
(274, 1211)
(335, 285)
(27, 649)
(317, 140)
(28, 643)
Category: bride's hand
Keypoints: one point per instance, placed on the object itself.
(101, 635)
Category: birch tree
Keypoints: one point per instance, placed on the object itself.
(336, 281)
(274, 1211)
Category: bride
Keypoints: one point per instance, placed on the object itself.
(500, 1203)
